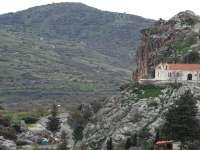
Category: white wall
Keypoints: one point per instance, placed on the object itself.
(162, 74)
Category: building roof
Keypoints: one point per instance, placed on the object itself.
(163, 142)
(183, 66)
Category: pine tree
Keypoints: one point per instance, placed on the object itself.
(53, 123)
(128, 144)
(181, 123)
(64, 143)
(131, 142)
(77, 134)
(134, 140)
(109, 144)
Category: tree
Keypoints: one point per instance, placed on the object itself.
(128, 144)
(77, 134)
(157, 137)
(131, 141)
(64, 143)
(192, 57)
(53, 123)
(134, 140)
(180, 120)
(109, 144)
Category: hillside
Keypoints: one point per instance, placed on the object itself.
(68, 52)
(139, 110)
(173, 41)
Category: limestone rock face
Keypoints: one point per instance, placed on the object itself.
(7, 144)
(130, 113)
(167, 41)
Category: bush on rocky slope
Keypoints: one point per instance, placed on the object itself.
(132, 113)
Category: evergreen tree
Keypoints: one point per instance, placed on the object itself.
(64, 143)
(134, 140)
(181, 123)
(131, 142)
(77, 134)
(157, 137)
(53, 123)
(109, 144)
(128, 144)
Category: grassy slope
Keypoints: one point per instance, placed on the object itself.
(88, 59)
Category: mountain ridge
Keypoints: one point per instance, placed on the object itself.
(54, 52)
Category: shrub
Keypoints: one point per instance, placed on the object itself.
(76, 119)
(1, 107)
(144, 134)
(96, 105)
(87, 87)
(130, 85)
(192, 57)
(151, 91)
(16, 117)
(8, 133)
(30, 119)
(175, 85)
(136, 116)
(147, 146)
(64, 144)
(4, 121)
(131, 142)
(153, 104)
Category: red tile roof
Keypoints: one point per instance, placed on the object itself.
(183, 66)
(163, 142)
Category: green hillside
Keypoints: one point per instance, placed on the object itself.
(67, 52)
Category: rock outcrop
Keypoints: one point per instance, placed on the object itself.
(7, 144)
(139, 110)
(168, 41)
(135, 111)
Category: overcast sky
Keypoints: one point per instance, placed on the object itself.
(154, 9)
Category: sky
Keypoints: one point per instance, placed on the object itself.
(153, 9)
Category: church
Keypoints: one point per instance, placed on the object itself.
(177, 72)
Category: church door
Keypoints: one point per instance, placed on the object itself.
(189, 77)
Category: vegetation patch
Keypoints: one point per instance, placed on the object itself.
(182, 46)
(151, 91)
(87, 87)
(28, 117)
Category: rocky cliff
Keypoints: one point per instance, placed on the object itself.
(138, 110)
(172, 41)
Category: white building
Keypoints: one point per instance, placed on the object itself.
(177, 72)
